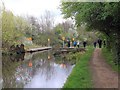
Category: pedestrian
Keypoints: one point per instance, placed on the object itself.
(74, 43)
(78, 43)
(104, 43)
(68, 43)
(95, 44)
(84, 44)
(100, 43)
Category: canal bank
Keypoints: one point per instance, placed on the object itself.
(80, 76)
(28, 50)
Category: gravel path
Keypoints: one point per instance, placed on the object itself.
(102, 74)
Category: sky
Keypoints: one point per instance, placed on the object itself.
(34, 7)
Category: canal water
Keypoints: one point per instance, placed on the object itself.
(35, 70)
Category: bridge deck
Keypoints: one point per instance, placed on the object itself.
(39, 49)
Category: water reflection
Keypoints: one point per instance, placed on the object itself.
(36, 70)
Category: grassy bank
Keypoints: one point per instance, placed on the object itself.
(109, 57)
(80, 76)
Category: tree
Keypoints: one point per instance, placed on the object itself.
(14, 28)
(9, 33)
(34, 25)
(101, 16)
(46, 22)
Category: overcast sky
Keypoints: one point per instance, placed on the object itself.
(34, 7)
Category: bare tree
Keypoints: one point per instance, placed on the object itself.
(46, 21)
(67, 25)
(34, 24)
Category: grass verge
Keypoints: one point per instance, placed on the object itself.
(80, 76)
(109, 59)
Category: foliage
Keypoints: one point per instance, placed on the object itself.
(65, 29)
(100, 16)
(109, 57)
(42, 30)
(9, 33)
(90, 36)
(15, 28)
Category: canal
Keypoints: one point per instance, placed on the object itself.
(35, 70)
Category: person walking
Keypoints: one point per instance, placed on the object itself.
(84, 44)
(78, 43)
(104, 43)
(95, 44)
(100, 43)
(68, 43)
(74, 43)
